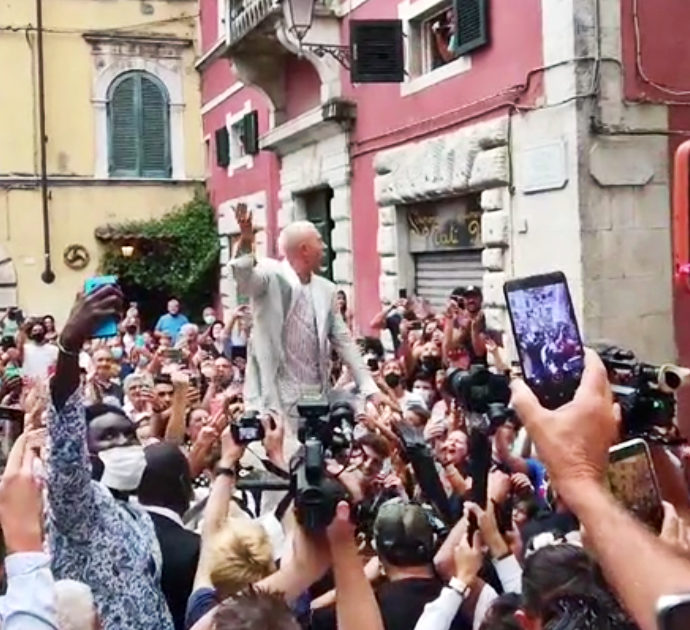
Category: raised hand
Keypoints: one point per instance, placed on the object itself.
(244, 219)
(88, 312)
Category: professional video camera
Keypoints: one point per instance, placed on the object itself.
(484, 396)
(324, 430)
(645, 393)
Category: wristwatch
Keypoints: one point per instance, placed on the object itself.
(459, 587)
(228, 472)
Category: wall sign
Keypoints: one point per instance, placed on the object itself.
(544, 167)
(444, 225)
(76, 257)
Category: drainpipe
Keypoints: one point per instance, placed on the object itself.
(47, 276)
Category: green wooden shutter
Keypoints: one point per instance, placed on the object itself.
(222, 147)
(154, 160)
(318, 211)
(472, 25)
(123, 128)
(139, 127)
(250, 123)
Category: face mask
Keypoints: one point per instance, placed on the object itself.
(425, 394)
(209, 319)
(117, 353)
(392, 380)
(38, 337)
(123, 467)
(131, 330)
(431, 364)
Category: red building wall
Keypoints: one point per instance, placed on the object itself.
(500, 72)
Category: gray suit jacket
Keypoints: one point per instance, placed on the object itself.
(270, 284)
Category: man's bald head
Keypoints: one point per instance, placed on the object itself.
(300, 242)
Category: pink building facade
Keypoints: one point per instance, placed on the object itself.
(541, 147)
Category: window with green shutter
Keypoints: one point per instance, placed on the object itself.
(317, 208)
(138, 127)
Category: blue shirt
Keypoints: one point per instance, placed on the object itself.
(30, 600)
(96, 539)
(171, 325)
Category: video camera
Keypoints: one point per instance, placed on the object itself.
(484, 395)
(324, 430)
(645, 392)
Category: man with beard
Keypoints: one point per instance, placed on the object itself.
(37, 355)
(469, 326)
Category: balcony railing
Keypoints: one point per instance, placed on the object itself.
(246, 15)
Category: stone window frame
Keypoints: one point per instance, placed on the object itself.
(168, 70)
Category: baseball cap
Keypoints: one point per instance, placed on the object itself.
(403, 533)
(472, 290)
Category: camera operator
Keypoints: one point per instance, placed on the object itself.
(464, 341)
(573, 442)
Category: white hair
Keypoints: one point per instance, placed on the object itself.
(189, 329)
(292, 235)
(76, 609)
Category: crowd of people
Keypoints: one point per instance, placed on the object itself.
(124, 502)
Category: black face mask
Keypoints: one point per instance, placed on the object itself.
(392, 380)
(431, 364)
(38, 337)
(131, 329)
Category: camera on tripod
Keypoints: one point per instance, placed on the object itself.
(645, 392)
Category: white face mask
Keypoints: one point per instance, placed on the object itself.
(425, 394)
(123, 467)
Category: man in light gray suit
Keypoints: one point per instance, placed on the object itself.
(295, 321)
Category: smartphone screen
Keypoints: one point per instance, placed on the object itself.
(109, 327)
(546, 336)
(632, 481)
(402, 294)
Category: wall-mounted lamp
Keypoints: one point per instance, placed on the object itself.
(127, 251)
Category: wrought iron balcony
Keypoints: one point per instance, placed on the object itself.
(247, 15)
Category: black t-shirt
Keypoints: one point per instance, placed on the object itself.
(402, 603)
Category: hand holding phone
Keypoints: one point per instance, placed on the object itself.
(633, 482)
(547, 336)
(109, 327)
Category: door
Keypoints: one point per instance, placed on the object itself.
(317, 206)
(681, 259)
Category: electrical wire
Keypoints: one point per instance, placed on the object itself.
(640, 66)
(76, 31)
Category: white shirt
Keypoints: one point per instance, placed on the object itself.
(30, 600)
(439, 614)
(39, 359)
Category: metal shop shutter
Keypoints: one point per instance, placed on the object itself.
(437, 274)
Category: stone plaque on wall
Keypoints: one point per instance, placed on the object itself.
(444, 225)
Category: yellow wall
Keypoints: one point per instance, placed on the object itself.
(78, 208)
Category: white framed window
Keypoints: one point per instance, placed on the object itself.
(236, 123)
(430, 41)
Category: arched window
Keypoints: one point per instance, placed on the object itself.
(138, 127)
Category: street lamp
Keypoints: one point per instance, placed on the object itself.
(300, 17)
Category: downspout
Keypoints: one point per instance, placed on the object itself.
(47, 276)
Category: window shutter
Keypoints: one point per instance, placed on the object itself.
(123, 129)
(471, 26)
(154, 130)
(222, 147)
(251, 133)
(376, 48)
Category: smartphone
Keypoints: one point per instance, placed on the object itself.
(673, 612)
(402, 294)
(174, 354)
(108, 328)
(373, 364)
(632, 481)
(547, 336)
